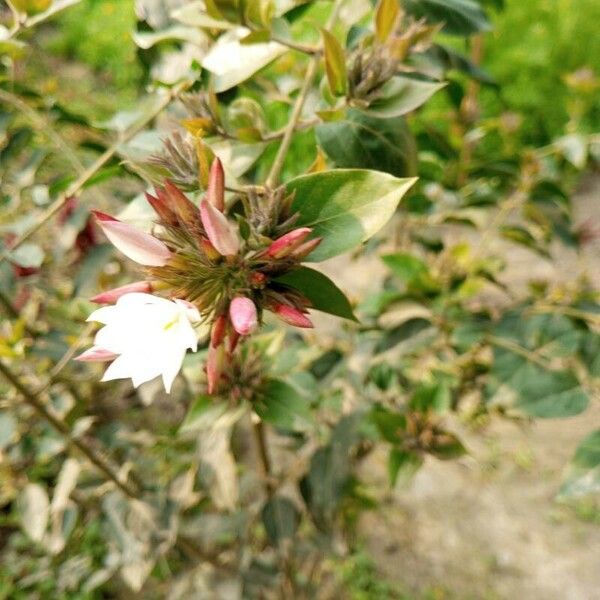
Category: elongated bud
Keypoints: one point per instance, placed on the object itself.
(215, 192)
(161, 208)
(286, 244)
(292, 316)
(186, 211)
(111, 296)
(96, 354)
(242, 312)
(303, 250)
(214, 367)
(220, 232)
(133, 243)
(219, 329)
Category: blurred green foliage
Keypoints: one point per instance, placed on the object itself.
(534, 46)
(98, 33)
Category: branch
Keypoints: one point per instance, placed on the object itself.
(33, 399)
(288, 133)
(88, 173)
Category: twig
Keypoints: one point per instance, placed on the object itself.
(88, 173)
(263, 453)
(290, 129)
(33, 399)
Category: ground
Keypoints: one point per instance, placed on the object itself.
(488, 526)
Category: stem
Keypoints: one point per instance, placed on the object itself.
(258, 429)
(518, 349)
(32, 399)
(88, 173)
(288, 133)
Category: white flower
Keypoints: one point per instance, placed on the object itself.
(149, 335)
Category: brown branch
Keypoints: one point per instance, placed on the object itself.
(35, 402)
(88, 173)
(290, 129)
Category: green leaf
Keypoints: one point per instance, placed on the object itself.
(583, 477)
(431, 397)
(335, 64)
(279, 404)
(323, 294)
(405, 266)
(534, 390)
(202, 413)
(460, 17)
(401, 95)
(328, 477)
(386, 16)
(369, 142)
(391, 425)
(402, 333)
(280, 518)
(403, 465)
(345, 206)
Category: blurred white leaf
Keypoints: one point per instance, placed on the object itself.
(231, 62)
(214, 451)
(34, 509)
(194, 14)
(67, 480)
(147, 39)
(27, 255)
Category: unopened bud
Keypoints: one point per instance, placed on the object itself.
(306, 248)
(287, 243)
(219, 329)
(215, 192)
(111, 296)
(242, 312)
(292, 316)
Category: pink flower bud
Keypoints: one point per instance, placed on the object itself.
(96, 354)
(285, 245)
(303, 250)
(242, 312)
(215, 192)
(219, 329)
(220, 232)
(133, 243)
(291, 315)
(111, 296)
(214, 367)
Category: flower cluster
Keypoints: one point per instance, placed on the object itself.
(213, 271)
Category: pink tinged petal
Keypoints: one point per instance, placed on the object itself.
(214, 367)
(111, 296)
(286, 244)
(215, 192)
(136, 245)
(96, 354)
(220, 232)
(292, 316)
(242, 312)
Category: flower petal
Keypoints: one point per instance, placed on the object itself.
(220, 232)
(133, 243)
(111, 296)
